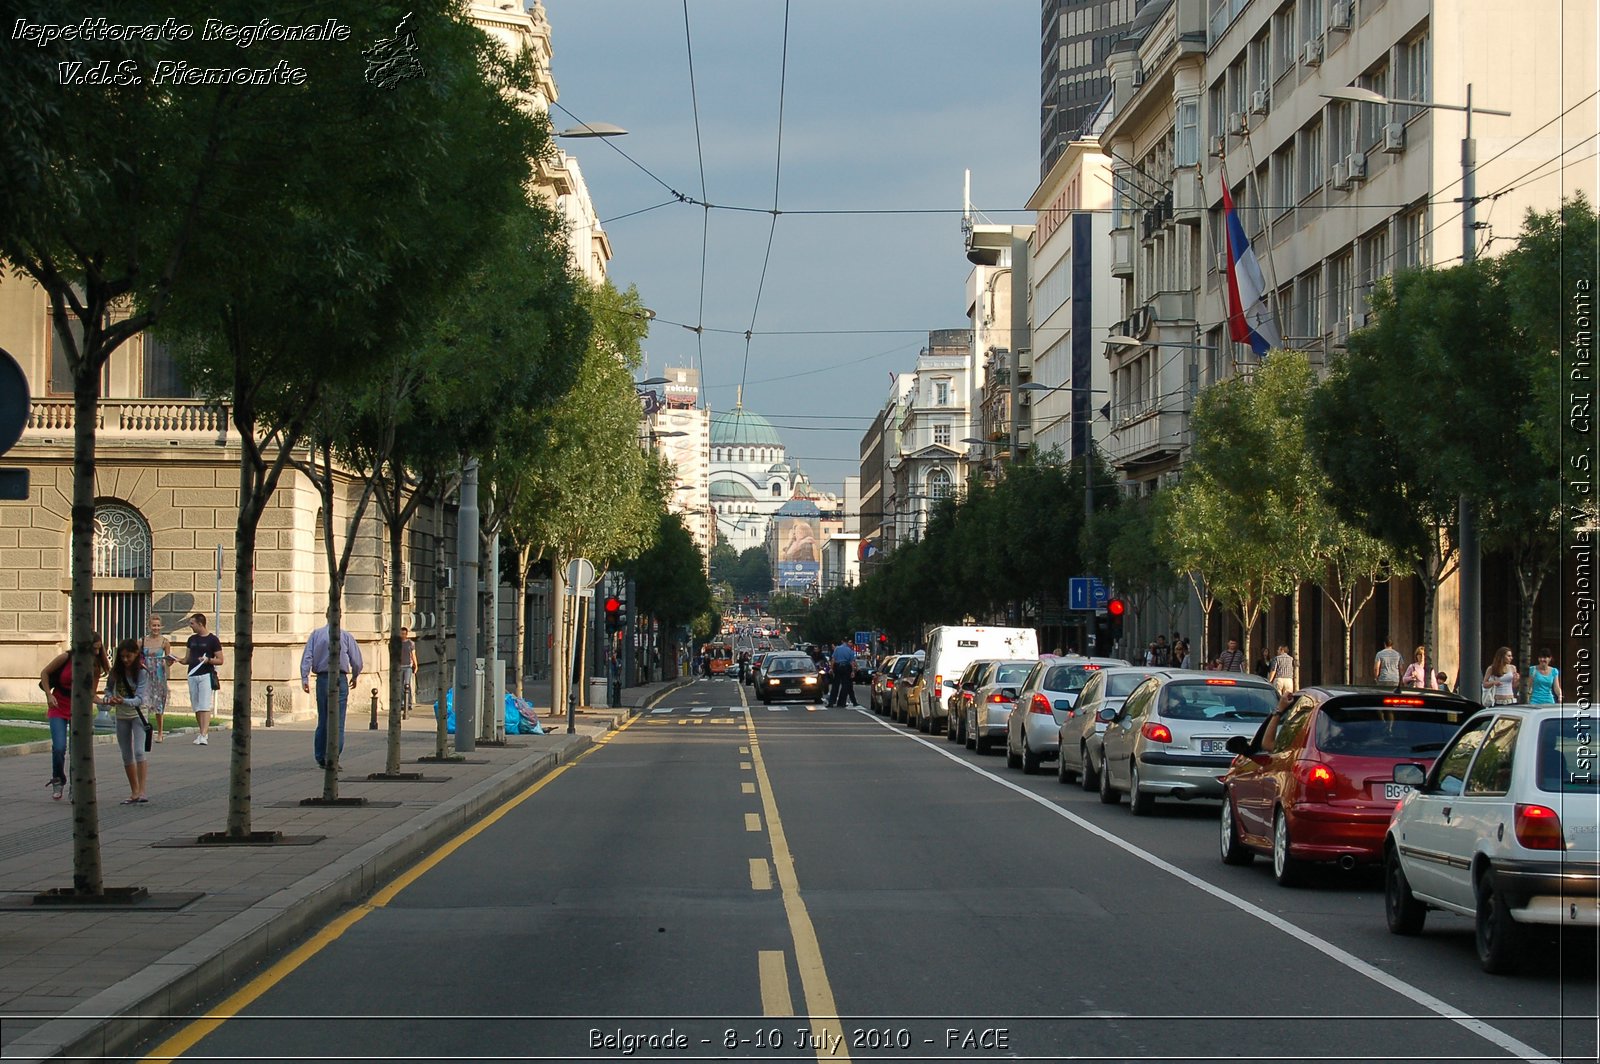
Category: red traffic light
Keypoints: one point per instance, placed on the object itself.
(613, 605)
(1116, 607)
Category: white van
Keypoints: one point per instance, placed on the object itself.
(951, 649)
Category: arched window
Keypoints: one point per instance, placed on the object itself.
(121, 553)
(938, 484)
(777, 490)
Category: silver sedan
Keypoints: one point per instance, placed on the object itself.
(1046, 697)
(1079, 747)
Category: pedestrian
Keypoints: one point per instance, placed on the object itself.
(127, 689)
(744, 664)
(1232, 659)
(56, 682)
(1500, 680)
(1163, 653)
(1546, 681)
(844, 669)
(1180, 651)
(315, 659)
(156, 651)
(205, 654)
(1386, 665)
(1418, 674)
(408, 667)
(1281, 672)
(1263, 667)
(1444, 681)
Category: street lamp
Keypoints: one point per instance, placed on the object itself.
(593, 129)
(1469, 670)
(651, 382)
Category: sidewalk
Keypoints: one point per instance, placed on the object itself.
(93, 982)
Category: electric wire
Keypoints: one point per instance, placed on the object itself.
(777, 181)
(705, 212)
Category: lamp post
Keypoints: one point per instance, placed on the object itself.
(1469, 671)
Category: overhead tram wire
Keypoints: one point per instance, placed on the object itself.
(777, 180)
(705, 212)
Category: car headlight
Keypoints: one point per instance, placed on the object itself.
(774, 683)
(811, 679)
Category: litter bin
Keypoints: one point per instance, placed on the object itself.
(598, 690)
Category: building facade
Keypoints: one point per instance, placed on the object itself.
(751, 476)
(681, 430)
(929, 462)
(1074, 39)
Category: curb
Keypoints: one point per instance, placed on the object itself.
(118, 1018)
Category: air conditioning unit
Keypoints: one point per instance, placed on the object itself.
(1357, 165)
(1236, 123)
(1394, 138)
(1258, 102)
(1024, 398)
(1219, 145)
(1138, 75)
(1311, 55)
(1341, 175)
(1341, 332)
(1344, 14)
(1222, 262)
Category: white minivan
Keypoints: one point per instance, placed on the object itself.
(951, 648)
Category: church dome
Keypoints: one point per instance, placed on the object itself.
(731, 489)
(742, 428)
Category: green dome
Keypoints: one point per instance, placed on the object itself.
(731, 489)
(742, 428)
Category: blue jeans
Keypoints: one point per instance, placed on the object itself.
(58, 748)
(319, 742)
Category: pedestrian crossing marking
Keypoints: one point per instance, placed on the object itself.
(745, 765)
(708, 709)
(658, 712)
(752, 821)
(744, 749)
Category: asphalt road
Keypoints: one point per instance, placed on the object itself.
(807, 883)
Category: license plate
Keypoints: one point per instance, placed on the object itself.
(1393, 792)
(1213, 746)
(791, 690)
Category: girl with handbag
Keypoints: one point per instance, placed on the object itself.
(56, 681)
(127, 690)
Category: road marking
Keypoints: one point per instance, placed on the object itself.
(760, 874)
(747, 788)
(775, 999)
(191, 1035)
(708, 709)
(826, 1031)
(745, 765)
(744, 749)
(752, 821)
(657, 712)
(1417, 995)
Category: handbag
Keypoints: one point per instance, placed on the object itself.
(216, 681)
(148, 734)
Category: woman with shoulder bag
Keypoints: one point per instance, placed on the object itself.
(128, 689)
(56, 682)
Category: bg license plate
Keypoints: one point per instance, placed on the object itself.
(1213, 746)
(1393, 792)
(791, 690)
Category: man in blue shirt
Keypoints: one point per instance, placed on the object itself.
(315, 658)
(844, 668)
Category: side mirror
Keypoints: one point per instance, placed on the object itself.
(1238, 745)
(1106, 715)
(951, 684)
(1063, 705)
(1009, 692)
(1409, 774)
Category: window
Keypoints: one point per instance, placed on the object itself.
(1217, 109)
(1374, 262)
(60, 382)
(1342, 116)
(162, 379)
(1311, 20)
(941, 393)
(1313, 166)
(1311, 304)
(1410, 240)
(1341, 285)
(941, 435)
(1121, 205)
(1238, 88)
(1261, 63)
(938, 484)
(1450, 772)
(1283, 175)
(777, 490)
(1284, 39)
(1186, 146)
(1491, 770)
(1413, 78)
(1373, 114)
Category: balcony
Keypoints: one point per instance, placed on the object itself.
(187, 420)
(1122, 252)
(1148, 435)
(1188, 200)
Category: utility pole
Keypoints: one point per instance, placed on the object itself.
(1469, 673)
(467, 608)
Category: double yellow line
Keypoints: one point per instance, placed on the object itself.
(191, 1035)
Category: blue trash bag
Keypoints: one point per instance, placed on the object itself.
(513, 716)
(527, 716)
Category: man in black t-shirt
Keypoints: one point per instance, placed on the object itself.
(204, 655)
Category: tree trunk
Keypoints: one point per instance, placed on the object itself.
(244, 645)
(86, 868)
(1294, 633)
(335, 733)
(1530, 580)
(520, 658)
(397, 529)
(560, 666)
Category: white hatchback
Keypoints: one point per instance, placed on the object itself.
(1503, 829)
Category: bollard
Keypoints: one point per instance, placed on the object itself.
(374, 725)
(269, 705)
(572, 712)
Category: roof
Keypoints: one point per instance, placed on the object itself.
(798, 508)
(730, 489)
(742, 428)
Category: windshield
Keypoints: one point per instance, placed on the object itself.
(1069, 677)
(1379, 731)
(1566, 756)
(1121, 684)
(789, 665)
(1010, 675)
(1204, 700)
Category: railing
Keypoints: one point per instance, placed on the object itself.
(185, 417)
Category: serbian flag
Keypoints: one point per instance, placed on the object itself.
(1249, 317)
(867, 549)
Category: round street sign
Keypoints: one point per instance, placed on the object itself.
(580, 574)
(14, 402)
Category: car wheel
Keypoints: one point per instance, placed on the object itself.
(1012, 760)
(1140, 801)
(1030, 760)
(1285, 869)
(1499, 937)
(982, 743)
(951, 732)
(1234, 852)
(1088, 779)
(1401, 908)
(1064, 775)
(970, 734)
(1108, 796)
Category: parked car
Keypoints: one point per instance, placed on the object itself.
(1503, 830)
(754, 671)
(960, 699)
(1078, 746)
(789, 677)
(986, 714)
(1045, 699)
(1169, 738)
(908, 692)
(1315, 783)
(951, 648)
(889, 671)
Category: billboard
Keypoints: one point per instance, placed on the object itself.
(799, 556)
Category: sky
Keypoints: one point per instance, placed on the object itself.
(884, 104)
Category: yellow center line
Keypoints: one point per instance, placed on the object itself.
(827, 1032)
(191, 1035)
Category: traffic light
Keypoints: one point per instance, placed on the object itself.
(613, 614)
(1116, 610)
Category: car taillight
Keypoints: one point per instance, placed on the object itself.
(1317, 779)
(938, 680)
(997, 698)
(1040, 704)
(1539, 828)
(1156, 733)
(888, 683)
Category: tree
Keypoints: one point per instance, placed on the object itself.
(1123, 543)
(751, 573)
(669, 578)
